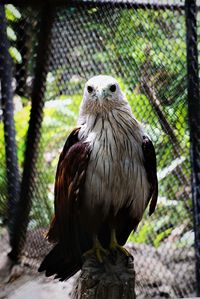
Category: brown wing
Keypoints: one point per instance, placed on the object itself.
(125, 223)
(69, 182)
(150, 166)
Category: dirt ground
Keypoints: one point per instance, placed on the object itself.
(31, 286)
(25, 282)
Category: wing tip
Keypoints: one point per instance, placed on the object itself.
(153, 203)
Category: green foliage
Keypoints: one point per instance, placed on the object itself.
(142, 40)
(155, 229)
(12, 16)
(60, 118)
(12, 13)
(14, 53)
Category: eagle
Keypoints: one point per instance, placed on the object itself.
(106, 177)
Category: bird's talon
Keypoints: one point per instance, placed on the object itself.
(114, 246)
(98, 251)
(123, 250)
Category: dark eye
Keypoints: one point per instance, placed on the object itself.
(113, 88)
(90, 89)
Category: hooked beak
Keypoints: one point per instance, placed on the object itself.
(101, 94)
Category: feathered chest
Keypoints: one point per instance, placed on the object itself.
(113, 136)
(115, 170)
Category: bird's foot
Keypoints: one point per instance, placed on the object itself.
(114, 246)
(98, 251)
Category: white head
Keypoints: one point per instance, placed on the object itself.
(102, 93)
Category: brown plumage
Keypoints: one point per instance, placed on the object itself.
(106, 176)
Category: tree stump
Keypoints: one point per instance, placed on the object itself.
(114, 278)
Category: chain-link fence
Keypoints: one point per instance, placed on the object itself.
(54, 49)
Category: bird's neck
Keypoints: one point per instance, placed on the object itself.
(119, 121)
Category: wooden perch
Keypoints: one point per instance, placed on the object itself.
(112, 279)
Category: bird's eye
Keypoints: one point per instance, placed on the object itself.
(113, 88)
(90, 89)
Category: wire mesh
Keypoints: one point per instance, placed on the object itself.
(144, 47)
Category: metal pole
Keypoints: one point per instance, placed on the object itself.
(33, 135)
(23, 43)
(194, 122)
(13, 178)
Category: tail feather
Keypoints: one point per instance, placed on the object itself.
(56, 264)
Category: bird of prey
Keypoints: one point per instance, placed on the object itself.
(106, 177)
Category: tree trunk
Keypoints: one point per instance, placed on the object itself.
(112, 279)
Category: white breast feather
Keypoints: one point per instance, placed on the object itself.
(115, 174)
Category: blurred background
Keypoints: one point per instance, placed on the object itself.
(47, 55)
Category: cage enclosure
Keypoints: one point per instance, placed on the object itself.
(48, 51)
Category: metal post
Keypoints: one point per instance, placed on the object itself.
(194, 122)
(13, 178)
(23, 43)
(33, 136)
